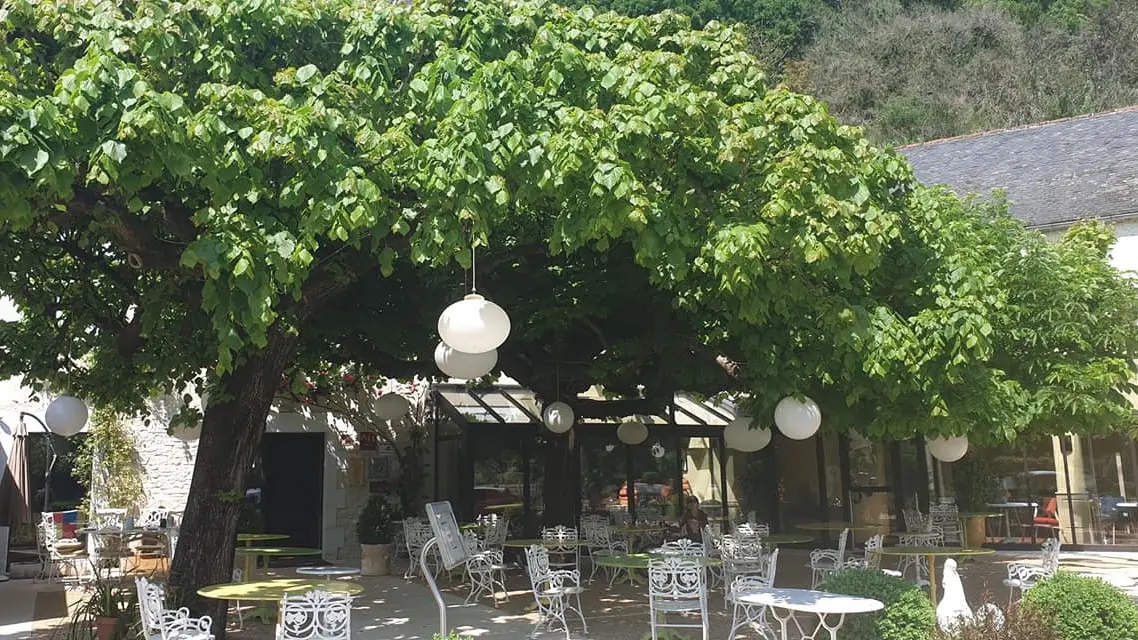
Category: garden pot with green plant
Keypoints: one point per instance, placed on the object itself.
(110, 609)
(375, 530)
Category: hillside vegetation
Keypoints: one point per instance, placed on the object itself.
(913, 71)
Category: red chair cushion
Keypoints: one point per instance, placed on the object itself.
(1043, 520)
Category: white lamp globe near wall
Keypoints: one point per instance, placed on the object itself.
(739, 435)
(466, 366)
(558, 417)
(632, 432)
(474, 325)
(66, 416)
(187, 434)
(797, 419)
(948, 449)
(391, 406)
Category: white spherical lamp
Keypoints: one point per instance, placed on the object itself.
(391, 406)
(66, 416)
(467, 366)
(797, 419)
(187, 434)
(558, 417)
(948, 449)
(739, 435)
(632, 432)
(474, 325)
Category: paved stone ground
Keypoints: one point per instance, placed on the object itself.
(394, 609)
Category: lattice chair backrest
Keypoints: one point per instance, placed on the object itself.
(109, 518)
(151, 518)
(772, 566)
(873, 551)
(315, 615)
(1050, 555)
(415, 533)
(472, 543)
(915, 521)
(842, 541)
(496, 533)
(750, 583)
(930, 539)
(559, 533)
(537, 565)
(683, 547)
(674, 581)
(488, 519)
(734, 547)
(753, 529)
(712, 541)
(151, 603)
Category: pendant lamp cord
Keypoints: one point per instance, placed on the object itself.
(473, 267)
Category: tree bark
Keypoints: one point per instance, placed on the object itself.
(230, 438)
(562, 493)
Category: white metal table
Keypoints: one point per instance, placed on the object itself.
(327, 571)
(785, 603)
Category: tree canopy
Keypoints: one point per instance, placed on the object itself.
(248, 187)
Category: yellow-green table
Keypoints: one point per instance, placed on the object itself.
(976, 520)
(839, 526)
(268, 552)
(249, 538)
(930, 554)
(274, 590)
(631, 562)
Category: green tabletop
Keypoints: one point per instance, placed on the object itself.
(640, 560)
(785, 538)
(505, 507)
(640, 528)
(979, 514)
(260, 537)
(839, 526)
(273, 590)
(541, 542)
(278, 551)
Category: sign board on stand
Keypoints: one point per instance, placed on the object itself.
(448, 539)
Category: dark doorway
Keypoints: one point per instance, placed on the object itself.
(292, 496)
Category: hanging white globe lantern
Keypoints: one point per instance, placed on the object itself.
(739, 435)
(797, 420)
(466, 366)
(66, 416)
(558, 417)
(474, 325)
(187, 434)
(632, 432)
(948, 449)
(391, 406)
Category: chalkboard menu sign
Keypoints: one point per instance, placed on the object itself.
(447, 535)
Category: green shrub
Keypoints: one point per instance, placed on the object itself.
(908, 614)
(1084, 608)
(1016, 623)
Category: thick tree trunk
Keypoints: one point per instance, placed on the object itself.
(230, 437)
(562, 493)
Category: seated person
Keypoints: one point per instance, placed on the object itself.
(693, 519)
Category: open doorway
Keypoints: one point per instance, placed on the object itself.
(292, 487)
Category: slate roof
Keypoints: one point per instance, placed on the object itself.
(1055, 173)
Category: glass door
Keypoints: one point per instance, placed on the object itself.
(870, 493)
(656, 474)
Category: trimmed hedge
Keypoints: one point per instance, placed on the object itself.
(1084, 608)
(908, 613)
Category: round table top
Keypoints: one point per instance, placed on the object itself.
(119, 531)
(274, 590)
(261, 537)
(278, 551)
(640, 560)
(934, 551)
(1012, 505)
(505, 507)
(980, 514)
(327, 571)
(811, 601)
(838, 526)
(541, 542)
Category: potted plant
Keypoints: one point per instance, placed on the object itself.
(375, 530)
(110, 608)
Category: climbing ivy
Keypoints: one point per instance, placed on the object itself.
(107, 465)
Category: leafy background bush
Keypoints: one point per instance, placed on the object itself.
(908, 614)
(1083, 608)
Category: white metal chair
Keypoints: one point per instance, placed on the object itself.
(591, 525)
(553, 591)
(824, 561)
(566, 556)
(676, 585)
(416, 534)
(712, 544)
(746, 614)
(753, 529)
(1022, 576)
(62, 554)
(316, 615)
(603, 544)
(160, 623)
(918, 564)
(683, 547)
(947, 517)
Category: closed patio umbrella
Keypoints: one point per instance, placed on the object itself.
(14, 488)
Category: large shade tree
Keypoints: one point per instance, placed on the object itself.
(247, 189)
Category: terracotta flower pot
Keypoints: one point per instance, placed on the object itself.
(105, 628)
